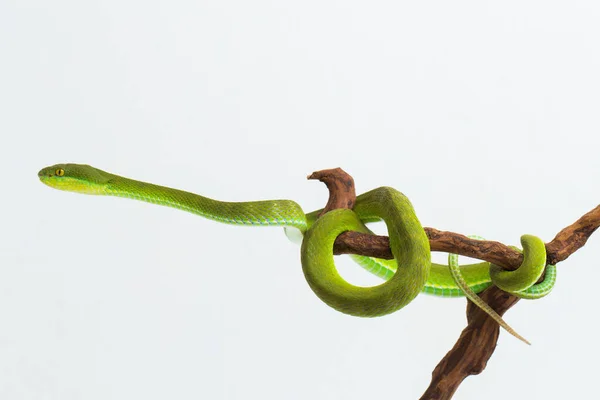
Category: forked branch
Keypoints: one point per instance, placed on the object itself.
(477, 341)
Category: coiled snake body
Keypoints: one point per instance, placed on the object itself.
(409, 273)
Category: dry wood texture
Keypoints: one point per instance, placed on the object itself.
(477, 341)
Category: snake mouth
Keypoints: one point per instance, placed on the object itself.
(45, 173)
(50, 180)
(45, 177)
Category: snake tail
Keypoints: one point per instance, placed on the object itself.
(471, 295)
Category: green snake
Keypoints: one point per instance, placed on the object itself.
(408, 274)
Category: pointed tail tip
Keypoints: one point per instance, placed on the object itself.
(521, 338)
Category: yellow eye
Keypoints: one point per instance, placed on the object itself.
(60, 172)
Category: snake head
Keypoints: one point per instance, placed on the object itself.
(75, 178)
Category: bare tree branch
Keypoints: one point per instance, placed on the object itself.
(477, 341)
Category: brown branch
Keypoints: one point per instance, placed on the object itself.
(477, 341)
(565, 243)
(341, 188)
(473, 348)
(573, 237)
(449, 242)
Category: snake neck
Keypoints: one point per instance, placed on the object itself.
(261, 213)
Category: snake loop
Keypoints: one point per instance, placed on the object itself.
(522, 282)
(530, 270)
(408, 242)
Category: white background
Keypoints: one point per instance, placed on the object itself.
(484, 113)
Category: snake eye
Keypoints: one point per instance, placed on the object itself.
(60, 172)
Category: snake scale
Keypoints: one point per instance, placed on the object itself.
(408, 274)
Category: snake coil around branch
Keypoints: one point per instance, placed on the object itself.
(340, 228)
(478, 339)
